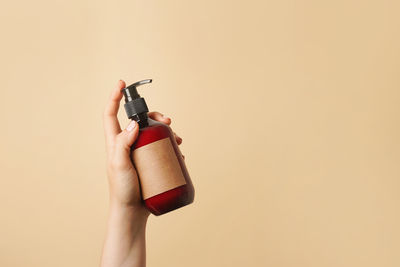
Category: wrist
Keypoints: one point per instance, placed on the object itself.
(136, 214)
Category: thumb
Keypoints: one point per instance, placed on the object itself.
(124, 141)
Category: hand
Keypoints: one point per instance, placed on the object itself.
(123, 178)
(125, 239)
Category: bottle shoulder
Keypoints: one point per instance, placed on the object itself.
(154, 131)
(153, 125)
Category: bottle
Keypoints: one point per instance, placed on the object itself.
(164, 180)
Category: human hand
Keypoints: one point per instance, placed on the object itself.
(122, 176)
(125, 239)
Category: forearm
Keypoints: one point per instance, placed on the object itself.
(125, 243)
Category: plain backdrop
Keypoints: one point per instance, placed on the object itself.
(289, 111)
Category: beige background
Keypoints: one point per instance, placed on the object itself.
(289, 112)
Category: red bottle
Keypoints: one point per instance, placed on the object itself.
(164, 180)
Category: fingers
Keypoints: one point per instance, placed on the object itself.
(159, 117)
(111, 124)
(164, 119)
(178, 139)
(123, 143)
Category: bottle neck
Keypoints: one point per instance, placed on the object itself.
(141, 119)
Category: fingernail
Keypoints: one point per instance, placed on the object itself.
(131, 126)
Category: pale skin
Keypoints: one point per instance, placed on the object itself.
(125, 243)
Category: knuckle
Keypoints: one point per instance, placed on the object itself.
(119, 141)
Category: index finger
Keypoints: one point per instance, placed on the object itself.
(159, 117)
(111, 123)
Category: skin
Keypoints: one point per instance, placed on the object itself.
(125, 243)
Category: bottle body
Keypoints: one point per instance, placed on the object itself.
(164, 179)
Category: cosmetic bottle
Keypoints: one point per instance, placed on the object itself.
(164, 180)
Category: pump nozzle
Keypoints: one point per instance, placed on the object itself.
(134, 104)
(130, 92)
(142, 82)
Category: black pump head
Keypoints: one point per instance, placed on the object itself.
(134, 104)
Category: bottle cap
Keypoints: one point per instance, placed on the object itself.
(134, 104)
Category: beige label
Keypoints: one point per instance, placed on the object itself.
(158, 168)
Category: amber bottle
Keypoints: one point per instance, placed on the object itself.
(164, 180)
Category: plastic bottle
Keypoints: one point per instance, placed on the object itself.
(164, 180)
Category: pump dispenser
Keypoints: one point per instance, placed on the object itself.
(164, 180)
(135, 106)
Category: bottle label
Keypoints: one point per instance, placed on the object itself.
(158, 168)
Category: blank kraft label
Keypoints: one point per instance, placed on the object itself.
(158, 168)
